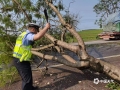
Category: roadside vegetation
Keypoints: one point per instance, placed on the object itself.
(90, 35)
(113, 86)
(87, 35)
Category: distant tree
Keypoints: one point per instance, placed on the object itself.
(104, 8)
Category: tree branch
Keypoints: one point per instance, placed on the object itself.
(22, 10)
(78, 64)
(41, 48)
(62, 44)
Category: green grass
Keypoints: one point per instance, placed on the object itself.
(89, 35)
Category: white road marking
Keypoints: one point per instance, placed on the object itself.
(109, 56)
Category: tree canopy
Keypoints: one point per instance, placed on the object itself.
(105, 8)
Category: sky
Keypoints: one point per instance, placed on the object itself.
(84, 8)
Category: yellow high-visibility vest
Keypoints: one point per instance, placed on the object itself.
(20, 51)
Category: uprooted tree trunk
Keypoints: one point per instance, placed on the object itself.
(80, 50)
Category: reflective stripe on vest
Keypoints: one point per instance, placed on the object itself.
(20, 51)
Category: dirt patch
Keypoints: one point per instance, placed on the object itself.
(65, 78)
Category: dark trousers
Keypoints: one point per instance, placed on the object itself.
(24, 69)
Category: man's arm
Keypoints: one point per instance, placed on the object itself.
(42, 32)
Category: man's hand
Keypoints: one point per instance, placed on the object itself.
(47, 25)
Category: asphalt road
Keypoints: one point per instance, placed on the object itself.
(105, 50)
(101, 41)
(98, 42)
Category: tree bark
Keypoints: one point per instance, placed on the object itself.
(105, 67)
(79, 64)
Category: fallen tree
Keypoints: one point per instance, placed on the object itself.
(85, 59)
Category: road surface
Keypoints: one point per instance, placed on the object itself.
(98, 42)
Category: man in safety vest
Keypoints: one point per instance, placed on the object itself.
(22, 53)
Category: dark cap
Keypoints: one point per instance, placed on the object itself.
(34, 25)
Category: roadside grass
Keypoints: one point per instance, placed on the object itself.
(113, 86)
(88, 35)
